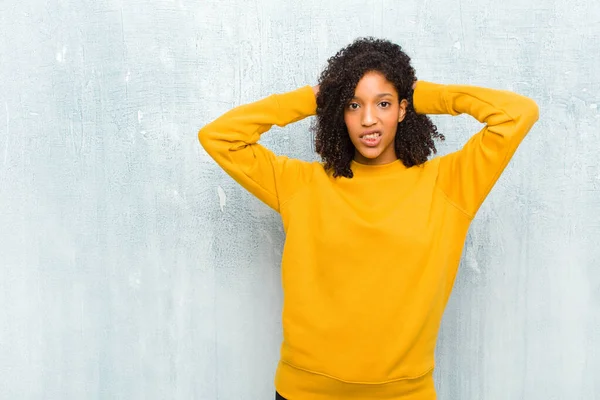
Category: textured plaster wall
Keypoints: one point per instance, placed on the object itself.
(131, 267)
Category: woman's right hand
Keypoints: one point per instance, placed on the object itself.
(316, 90)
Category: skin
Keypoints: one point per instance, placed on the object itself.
(375, 107)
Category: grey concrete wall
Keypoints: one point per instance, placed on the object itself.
(131, 267)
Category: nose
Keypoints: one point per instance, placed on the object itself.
(368, 117)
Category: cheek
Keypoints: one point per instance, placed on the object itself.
(391, 120)
(351, 122)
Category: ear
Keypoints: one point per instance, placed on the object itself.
(402, 110)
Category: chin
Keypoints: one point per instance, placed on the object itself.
(370, 154)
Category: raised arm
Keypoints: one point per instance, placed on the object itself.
(231, 140)
(467, 176)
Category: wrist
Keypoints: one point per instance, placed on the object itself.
(316, 90)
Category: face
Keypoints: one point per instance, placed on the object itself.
(372, 118)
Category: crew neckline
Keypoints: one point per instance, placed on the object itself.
(377, 168)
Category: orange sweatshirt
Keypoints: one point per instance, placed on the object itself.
(368, 262)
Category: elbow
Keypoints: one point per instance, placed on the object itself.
(534, 110)
(212, 141)
(204, 136)
(525, 113)
(530, 110)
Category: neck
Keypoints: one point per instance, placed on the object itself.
(381, 160)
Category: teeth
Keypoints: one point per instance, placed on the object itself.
(371, 136)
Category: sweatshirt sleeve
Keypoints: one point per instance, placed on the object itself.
(468, 175)
(231, 140)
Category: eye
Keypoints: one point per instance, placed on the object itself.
(385, 104)
(353, 106)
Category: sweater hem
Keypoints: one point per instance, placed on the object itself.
(297, 383)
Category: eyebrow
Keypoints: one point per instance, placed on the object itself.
(380, 95)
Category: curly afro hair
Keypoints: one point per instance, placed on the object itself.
(415, 134)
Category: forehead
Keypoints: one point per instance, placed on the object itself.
(374, 84)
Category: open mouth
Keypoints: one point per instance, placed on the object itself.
(371, 138)
(373, 135)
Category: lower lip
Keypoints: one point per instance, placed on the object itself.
(371, 142)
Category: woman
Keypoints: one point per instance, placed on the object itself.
(374, 233)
